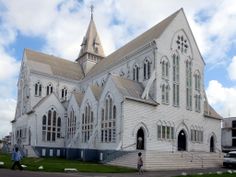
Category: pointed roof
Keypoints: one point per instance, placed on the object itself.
(121, 54)
(52, 65)
(44, 99)
(96, 91)
(91, 41)
(78, 97)
(131, 90)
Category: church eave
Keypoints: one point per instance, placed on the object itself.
(56, 76)
(213, 117)
(81, 56)
(153, 103)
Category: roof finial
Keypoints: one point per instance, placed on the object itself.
(92, 8)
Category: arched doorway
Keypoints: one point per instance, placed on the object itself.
(140, 139)
(212, 144)
(182, 141)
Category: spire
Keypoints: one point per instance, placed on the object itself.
(91, 47)
(92, 8)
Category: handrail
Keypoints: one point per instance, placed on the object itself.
(192, 155)
(128, 146)
(219, 150)
(173, 145)
(201, 158)
(112, 154)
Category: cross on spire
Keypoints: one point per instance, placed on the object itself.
(92, 8)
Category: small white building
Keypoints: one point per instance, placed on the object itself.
(229, 134)
(146, 96)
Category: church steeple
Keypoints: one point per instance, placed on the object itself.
(91, 51)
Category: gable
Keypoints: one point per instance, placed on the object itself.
(179, 37)
(47, 102)
(122, 53)
(73, 102)
(110, 88)
(97, 91)
(88, 98)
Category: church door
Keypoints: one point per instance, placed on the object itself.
(182, 141)
(140, 139)
(212, 144)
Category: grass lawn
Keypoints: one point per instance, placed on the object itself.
(212, 175)
(58, 165)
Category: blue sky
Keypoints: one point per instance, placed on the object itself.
(58, 26)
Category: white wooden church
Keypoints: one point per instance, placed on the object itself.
(146, 96)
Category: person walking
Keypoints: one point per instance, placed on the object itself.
(16, 157)
(140, 142)
(140, 163)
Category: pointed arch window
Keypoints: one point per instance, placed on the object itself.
(38, 89)
(188, 85)
(44, 128)
(49, 89)
(64, 93)
(108, 124)
(165, 93)
(146, 69)
(71, 128)
(87, 123)
(175, 80)
(197, 102)
(165, 69)
(197, 96)
(51, 126)
(197, 80)
(136, 72)
(58, 127)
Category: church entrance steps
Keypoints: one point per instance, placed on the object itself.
(156, 160)
(29, 151)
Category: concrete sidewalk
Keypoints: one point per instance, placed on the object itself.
(170, 173)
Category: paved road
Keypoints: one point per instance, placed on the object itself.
(170, 173)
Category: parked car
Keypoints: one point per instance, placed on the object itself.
(230, 159)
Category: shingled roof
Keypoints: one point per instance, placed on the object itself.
(91, 42)
(52, 65)
(131, 89)
(79, 97)
(210, 112)
(120, 54)
(96, 91)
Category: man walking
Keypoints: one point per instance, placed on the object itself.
(16, 157)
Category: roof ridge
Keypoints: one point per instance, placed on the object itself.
(132, 45)
(53, 56)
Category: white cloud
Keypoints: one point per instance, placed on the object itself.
(30, 17)
(9, 67)
(232, 69)
(7, 34)
(7, 111)
(222, 98)
(218, 32)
